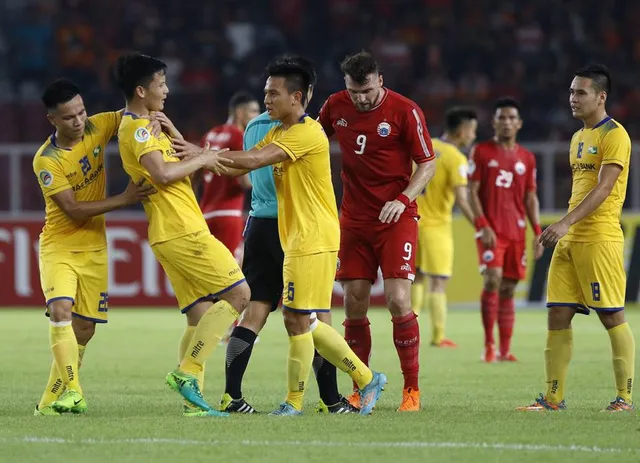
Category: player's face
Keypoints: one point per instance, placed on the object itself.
(507, 122)
(156, 92)
(467, 132)
(364, 96)
(277, 99)
(69, 118)
(584, 99)
(247, 111)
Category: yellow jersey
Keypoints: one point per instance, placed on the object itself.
(606, 143)
(307, 212)
(435, 204)
(173, 211)
(81, 169)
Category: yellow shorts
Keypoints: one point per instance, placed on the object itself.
(199, 267)
(587, 276)
(81, 277)
(435, 250)
(308, 282)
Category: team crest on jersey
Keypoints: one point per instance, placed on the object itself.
(384, 129)
(521, 223)
(488, 256)
(472, 166)
(46, 177)
(592, 150)
(341, 122)
(96, 151)
(142, 135)
(520, 168)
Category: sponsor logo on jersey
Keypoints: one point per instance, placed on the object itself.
(384, 129)
(520, 168)
(592, 150)
(96, 151)
(142, 135)
(488, 256)
(46, 177)
(406, 268)
(341, 122)
(493, 163)
(584, 166)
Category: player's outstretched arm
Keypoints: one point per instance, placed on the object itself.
(462, 200)
(488, 236)
(81, 211)
(165, 173)
(187, 151)
(607, 178)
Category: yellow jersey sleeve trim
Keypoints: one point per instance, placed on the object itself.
(290, 153)
(48, 193)
(618, 162)
(147, 150)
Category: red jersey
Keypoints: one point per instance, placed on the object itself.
(222, 196)
(378, 150)
(505, 177)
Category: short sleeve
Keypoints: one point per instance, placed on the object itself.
(459, 170)
(301, 139)
(51, 177)
(324, 118)
(417, 136)
(265, 141)
(616, 148)
(141, 141)
(476, 167)
(108, 122)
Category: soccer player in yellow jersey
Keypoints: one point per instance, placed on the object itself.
(73, 244)
(209, 285)
(587, 269)
(435, 206)
(309, 231)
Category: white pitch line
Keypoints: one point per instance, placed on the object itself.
(295, 443)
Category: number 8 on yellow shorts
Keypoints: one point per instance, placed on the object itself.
(308, 282)
(587, 275)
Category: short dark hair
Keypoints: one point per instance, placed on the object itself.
(599, 75)
(298, 72)
(240, 98)
(59, 91)
(360, 65)
(135, 69)
(457, 115)
(506, 102)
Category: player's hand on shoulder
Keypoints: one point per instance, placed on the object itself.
(138, 191)
(488, 238)
(154, 125)
(166, 124)
(552, 234)
(391, 211)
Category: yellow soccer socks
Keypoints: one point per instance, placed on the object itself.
(54, 388)
(335, 349)
(623, 348)
(206, 335)
(185, 341)
(557, 356)
(299, 364)
(64, 347)
(437, 303)
(417, 296)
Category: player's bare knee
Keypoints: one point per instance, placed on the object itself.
(296, 323)
(611, 319)
(559, 318)
(60, 310)
(324, 317)
(437, 284)
(356, 301)
(84, 330)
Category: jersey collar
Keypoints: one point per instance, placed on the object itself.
(52, 139)
(602, 122)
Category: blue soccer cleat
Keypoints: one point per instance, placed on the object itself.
(285, 409)
(187, 386)
(370, 394)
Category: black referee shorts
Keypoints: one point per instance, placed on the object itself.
(263, 260)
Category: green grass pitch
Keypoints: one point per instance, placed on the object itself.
(468, 407)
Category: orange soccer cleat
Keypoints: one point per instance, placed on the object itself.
(354, 399)
(410, 400)
(489, 355)
(445, 344)
(541, 404)
(619, 405)
(507, 358)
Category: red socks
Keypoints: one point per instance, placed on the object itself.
(406, 337)
(489, 308)
(506, 320)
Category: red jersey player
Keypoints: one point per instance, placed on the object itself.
(502, 184)
(381, 134)
(222, 199)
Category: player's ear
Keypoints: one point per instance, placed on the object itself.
(140, 91)
(50, 119)
(380, 80)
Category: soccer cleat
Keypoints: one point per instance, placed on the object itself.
(507, 358)
(45, 411)
(190, 411)
(230, 405)
(489, 355)
(410, 400)
(542, 404)
(340, 408)
(619, 405)
(370, 394)
(354, 399)
(70, 402)
(285, 409)
(445, 344)
(187, 386)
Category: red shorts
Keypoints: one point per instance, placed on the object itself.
(510, 256)
(367, 246)
(228, 230)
